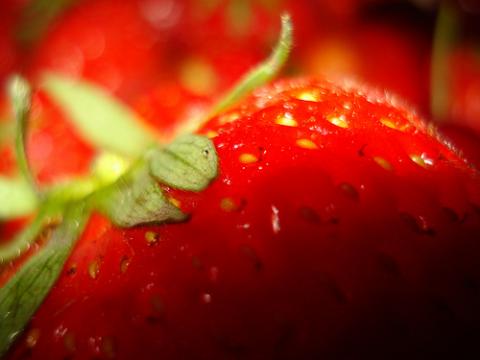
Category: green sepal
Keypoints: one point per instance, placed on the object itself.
(189, 163)
(17, 198)
(21, 296)
(98, 117)
(136, 199)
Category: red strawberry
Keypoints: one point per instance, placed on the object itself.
(463, 139)
(54, 148)
(370, 48)
(234, 36)
(106, 41)
(339, 226)
(9, 52)
(464, 92)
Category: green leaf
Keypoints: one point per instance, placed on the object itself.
(17, 198)
(26, 290)
(189, 163)
(135, 199)
(21, 97)
(99, 118)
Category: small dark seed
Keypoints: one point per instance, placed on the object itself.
(72, 270)
(451, 214)
(309, 214)
(252, 255)
(442, 310)
(471, 285)
(361, 151)
(388, 265)
(349, 191)
(418, 226)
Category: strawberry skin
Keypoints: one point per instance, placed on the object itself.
(340, 226)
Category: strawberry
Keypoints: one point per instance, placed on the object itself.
(464, 139)
(235, 35)
(309, 220)
(339, 226)
(370, 47)
(465, 87)
(90, 39)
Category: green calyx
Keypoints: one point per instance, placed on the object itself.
(182, 165)
(125, 183)
(129, 195)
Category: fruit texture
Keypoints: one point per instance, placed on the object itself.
(340, 226)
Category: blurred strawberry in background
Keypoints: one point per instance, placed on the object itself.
(105, 41)
(170, 59)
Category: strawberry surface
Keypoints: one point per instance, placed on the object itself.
(340, 226)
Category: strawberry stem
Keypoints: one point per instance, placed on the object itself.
(21, 96)
(262, 73)
(446, 31)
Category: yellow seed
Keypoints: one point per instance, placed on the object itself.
(94, 269)
(308, 96)
(247, 158)
(124, 264)
(108, 347)
(383, 163)
(174, 202)
(69, 342)
(228, 118)
(228, 205)
(286, 120)
(151, 237)
(392, 125)
(32, 337)
(212, 134)
(421, 161)
(306, 144)
(339, 121)
(388, 123)
(157, 304)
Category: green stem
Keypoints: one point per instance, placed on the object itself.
(444, 39)
(20, 94)
(258, 76)
(263, 72)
